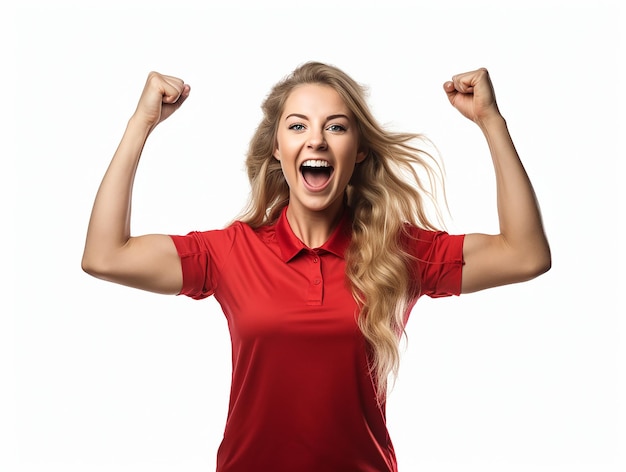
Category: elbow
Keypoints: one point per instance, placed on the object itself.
(542, 267)
(88, 266)
(538, 264)
(544, 259)
(546, 262)
(93, 266)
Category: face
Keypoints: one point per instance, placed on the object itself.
(317, 146)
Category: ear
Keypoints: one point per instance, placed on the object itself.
(276, 153)
(360, 156)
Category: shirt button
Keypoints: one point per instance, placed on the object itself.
(315, 259)
(316, 282)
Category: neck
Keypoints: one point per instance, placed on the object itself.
(314, 228)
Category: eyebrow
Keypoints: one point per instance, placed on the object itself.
(328, 118)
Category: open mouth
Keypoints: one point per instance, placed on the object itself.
(316, 173)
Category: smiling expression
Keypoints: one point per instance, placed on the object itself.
(317, 146)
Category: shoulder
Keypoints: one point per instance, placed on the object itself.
(438, 259)
(433, 245)
(205, 240)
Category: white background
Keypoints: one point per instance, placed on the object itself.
(98, 377)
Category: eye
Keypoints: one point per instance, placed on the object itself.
(336, 128)
(297, 127)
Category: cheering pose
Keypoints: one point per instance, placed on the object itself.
(319, 273)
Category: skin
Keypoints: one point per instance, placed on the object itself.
(148, 262)
(519, 252)
(316, 124)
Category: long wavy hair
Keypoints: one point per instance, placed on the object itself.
(395, 185)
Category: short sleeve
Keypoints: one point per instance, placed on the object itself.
(202, 255)
(439, 261)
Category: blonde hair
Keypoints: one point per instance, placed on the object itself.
(386, 193)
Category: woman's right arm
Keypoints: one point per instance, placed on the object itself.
(147, 262)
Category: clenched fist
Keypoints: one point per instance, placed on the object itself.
(472, 94)
(161, 96)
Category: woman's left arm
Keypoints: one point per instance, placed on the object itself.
(521, 251)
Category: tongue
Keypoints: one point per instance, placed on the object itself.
(316, 176)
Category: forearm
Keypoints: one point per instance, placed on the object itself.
(521, 226)
(109, 225)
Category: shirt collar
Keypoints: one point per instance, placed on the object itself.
(290, 246)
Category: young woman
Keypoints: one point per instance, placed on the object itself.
(318, 276)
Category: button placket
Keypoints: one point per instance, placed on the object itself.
(315, 291)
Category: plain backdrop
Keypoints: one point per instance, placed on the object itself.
(98, 377)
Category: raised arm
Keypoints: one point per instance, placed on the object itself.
(147, 262)
(520, 251)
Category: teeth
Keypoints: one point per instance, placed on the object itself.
(315, 163)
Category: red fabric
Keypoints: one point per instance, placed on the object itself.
(301, 397)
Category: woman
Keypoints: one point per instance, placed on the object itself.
(318, 276)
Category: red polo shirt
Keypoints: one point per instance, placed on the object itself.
(302, 399)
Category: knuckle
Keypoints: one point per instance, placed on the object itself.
(154, 77)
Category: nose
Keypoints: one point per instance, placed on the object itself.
(316, 140)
